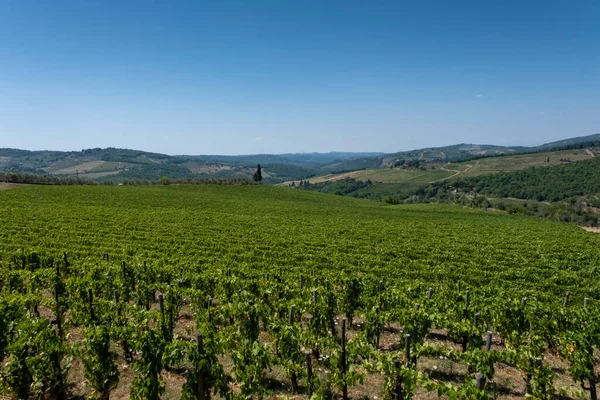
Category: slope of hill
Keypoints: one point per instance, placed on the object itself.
(456, 152)
(107, 250)
(403, 179)
(464, 151)
(569, 192)
(535, 183)
(307, 160)
(572, 141)
(121, 164)
(246, 246)
(304, 231)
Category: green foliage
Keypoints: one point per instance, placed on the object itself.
(36, 364)
(288, 339)
(578, 346)
(41, 179)
(346, 186)
(350, 298)
(257, 177)
(539, 183)
(100, 368)
(282, 172)
(352, 164)
(205, 375)
(147, 383)
(366, 261)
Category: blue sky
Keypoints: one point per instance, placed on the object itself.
(240, 77)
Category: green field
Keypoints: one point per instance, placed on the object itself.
(386, 179)
(92, 169)
(254, 224)
(196, 242)
(512, 163)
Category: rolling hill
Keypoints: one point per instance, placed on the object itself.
(117, 165)
(224, 259)
(122, 164)
(402, 180)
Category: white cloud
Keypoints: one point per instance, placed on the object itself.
(542, 113)
(259, 138)
(478, 96)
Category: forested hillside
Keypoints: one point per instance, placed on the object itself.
(118, 165)
(537, 183)
(567, 193)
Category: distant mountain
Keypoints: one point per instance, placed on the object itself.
(572, 141)
(125, 164)
(121, 164)
(465, 151)
(309, 160)
(455, 152)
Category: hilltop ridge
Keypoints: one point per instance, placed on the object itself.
(125, 164)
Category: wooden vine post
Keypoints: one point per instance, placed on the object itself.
(528, 380)
(124, 344)
(538, 363)
(397, 388)
(480, 381)
(480, 378)
(309, 372)
(465, 338)
(161, 304)
(58, 310)
(292, 310)
(407, 349)
(343, 366)
(199, 377)
(91, 304)
(377, 328)
(330, 311)
(294, 377)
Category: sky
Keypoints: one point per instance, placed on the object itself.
(247, 77)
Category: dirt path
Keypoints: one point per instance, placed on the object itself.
(591, 229)
(457, 172)
(591, 153)
(6, 185)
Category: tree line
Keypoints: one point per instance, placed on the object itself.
(38, 179)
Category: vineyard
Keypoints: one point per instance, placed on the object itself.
(240, 292)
